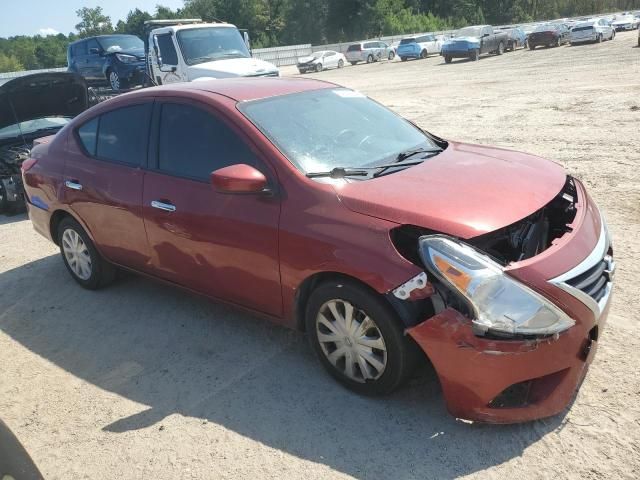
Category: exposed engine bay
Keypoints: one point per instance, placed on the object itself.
(11, 192)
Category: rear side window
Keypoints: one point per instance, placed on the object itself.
(122, 136)
(79, 48)
(193, 143)
(88, 134)
(354, 48)
(167, 51)
(371, 45)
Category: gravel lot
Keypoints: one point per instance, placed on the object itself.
(144, 381)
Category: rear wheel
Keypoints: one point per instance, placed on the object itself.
(392, 55)
(447, 59)
(115, 82)
(600, 38)
(81, 258)
(358, 338)
(532, 47)
(424, 54)
(557, 42)
(404, 59)
(340, 63)
(500, 50)
(370, 59)
(353, 63)
(4, 201)
(318, 67)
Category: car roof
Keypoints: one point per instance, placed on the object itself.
(243, 89)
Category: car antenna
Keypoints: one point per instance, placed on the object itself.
(15, 117)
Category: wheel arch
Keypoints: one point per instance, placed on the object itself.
(60, 214)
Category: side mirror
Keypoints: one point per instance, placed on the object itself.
(485, 35)
(94, 51)
(240, 178)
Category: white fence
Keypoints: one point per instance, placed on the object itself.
(281, 56)
(9, 75)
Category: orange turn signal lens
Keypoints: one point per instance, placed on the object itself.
(458, 278)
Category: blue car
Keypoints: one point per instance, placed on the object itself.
(115, 60)
(516, 38)
(418, 47)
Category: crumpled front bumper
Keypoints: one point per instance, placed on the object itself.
(478, 375)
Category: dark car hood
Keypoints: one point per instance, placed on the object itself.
(465, 191)
(51, 94)
(136, 52)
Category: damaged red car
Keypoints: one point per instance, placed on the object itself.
(322, 210)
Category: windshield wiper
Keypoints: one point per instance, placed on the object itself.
(401, 157)
(340, 172)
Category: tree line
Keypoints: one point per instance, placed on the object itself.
(285, 22)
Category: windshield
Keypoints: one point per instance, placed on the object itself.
(211, 43)
(31, 126)
(116, 43)
(324, 129)
(469, 32)
(406, 41)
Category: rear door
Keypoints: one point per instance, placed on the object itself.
(222, 245)
(81, 60)
(103, 181)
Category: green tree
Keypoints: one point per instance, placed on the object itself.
(93, 22)
(9, 63)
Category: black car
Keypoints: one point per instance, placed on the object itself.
(115, 60)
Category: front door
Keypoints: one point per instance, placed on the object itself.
(222, 245)
(103, 179)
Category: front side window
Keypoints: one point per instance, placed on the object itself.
(193, 143)
(207, 44)
(123, 134)
(323, 129)
(166, 49)
(93, 46)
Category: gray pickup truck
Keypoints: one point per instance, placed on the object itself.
(471, 42)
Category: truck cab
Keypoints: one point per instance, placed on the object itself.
(191, 50)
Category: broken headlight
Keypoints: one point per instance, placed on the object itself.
(501, 305)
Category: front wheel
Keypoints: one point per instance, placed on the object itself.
(358, 338)
(600, 38)
(370, 59)
(340, 63)
(447, 59)
(391, 56)
(353, 63)
(115, 82)
(500, 50)
(558, 43)
(404, 59)
(474, 55)
(532, 47)
(81, 258)
(424, 54)
(318, 67)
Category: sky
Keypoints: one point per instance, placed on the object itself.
(31, 17)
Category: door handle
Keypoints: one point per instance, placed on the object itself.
(73, 184)
(167, 207)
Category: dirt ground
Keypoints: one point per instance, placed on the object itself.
(142, 381)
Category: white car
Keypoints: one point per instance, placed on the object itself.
(318, 61)
(625, 22)
(592, 31)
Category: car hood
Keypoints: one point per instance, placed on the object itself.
(465, 191)
(51, 94)
(232, 67)
(463, 40)
(308, 59)
(136, 52)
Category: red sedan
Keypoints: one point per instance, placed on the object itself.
(320, 209)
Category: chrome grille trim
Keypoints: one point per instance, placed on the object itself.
(597, 255)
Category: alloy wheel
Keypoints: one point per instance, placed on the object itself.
(351, 341)
(114, 81)
(77, 254)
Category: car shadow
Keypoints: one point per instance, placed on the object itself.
(7, 218)
(178, 353)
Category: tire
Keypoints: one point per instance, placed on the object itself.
(447, 59)
(353, 63)
(474, 55)
(558, 42)
(340, 63)
(319, 67)
(4, 201)
(391, 55)
(404, 59)
(96, 272)
(424, 54)
(613, 35)
(532, 47)
(526, 44)
(392, 354)
(370, 59)
(500, 50)
(599, 38)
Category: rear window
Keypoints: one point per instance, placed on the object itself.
(354, 48)
(122, 136)
(407, 41)
(581, 29)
